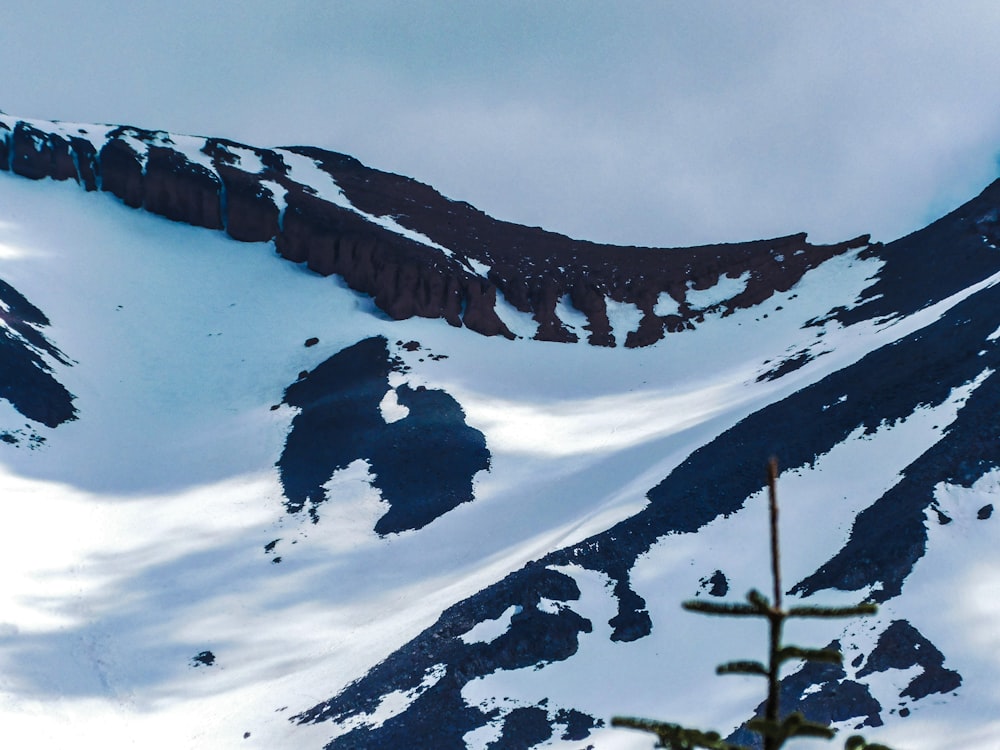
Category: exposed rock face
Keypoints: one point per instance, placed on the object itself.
(5, 146)
(182, 191)
(251, 212)
(901, 646)
(414, 251)
(423, 463)
(27, 380)
(121, 172)
(35, 153)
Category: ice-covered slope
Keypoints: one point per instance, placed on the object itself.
(256, 510)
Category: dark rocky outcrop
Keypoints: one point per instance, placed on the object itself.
(203, 659)
(250, 205)
(181, 191)
(36, 154)
(423, 464)
(121, 170)
(26, 379)
(6, 147)
(716, 584)
(932, 263)
(902, 646)
(439, 715)
(450, 260)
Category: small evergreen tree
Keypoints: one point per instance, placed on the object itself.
(773, 729)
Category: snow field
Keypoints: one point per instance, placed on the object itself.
(140, 529)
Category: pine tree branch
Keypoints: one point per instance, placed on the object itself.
(760, 601)
(819, 611)
(730, 609)
(827, 655)
(742, 667)
(793, 725)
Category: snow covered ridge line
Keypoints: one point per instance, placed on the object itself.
(414, 251)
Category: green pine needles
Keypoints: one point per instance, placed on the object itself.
(773, 728)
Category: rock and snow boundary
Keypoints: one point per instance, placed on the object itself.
(159, 591)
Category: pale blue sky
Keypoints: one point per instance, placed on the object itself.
(656, 122)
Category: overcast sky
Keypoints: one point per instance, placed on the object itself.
(659, 123)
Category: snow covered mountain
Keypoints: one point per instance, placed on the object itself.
(262, 503)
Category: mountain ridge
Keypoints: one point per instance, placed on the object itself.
(449, 261)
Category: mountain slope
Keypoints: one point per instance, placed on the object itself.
(257, 506)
